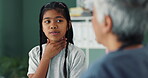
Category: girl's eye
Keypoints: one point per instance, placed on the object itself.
(47, 22)
(59, 20)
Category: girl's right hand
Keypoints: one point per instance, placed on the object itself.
(52, 49)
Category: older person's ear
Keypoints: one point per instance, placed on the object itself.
(107, 24)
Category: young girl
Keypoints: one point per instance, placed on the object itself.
(56, 57)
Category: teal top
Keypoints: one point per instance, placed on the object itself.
(120, 64)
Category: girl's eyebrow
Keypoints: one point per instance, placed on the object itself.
(59, 17)
(53, 18)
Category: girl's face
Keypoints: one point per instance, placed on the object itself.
(54, 25)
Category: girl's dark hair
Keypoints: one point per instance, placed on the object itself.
(60, 7)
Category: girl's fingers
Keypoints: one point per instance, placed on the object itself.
(61, 42)
(61, 45)
(60, 48)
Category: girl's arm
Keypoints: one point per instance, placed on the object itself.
(41, 70)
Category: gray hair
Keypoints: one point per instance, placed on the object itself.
(129, 17)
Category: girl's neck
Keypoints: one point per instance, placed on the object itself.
(54, 41)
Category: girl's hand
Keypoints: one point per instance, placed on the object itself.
(52, 49)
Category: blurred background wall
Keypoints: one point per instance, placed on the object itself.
(11, 27)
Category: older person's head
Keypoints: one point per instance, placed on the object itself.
(120, 22)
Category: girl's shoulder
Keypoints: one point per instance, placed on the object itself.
(36, 50)
(72, 47)
(75, 50)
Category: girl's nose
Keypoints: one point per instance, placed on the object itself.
(53, 27)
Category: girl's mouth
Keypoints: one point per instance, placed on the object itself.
(54, 32)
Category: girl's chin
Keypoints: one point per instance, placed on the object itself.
(54, 40)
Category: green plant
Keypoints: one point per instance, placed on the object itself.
(13, 67)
